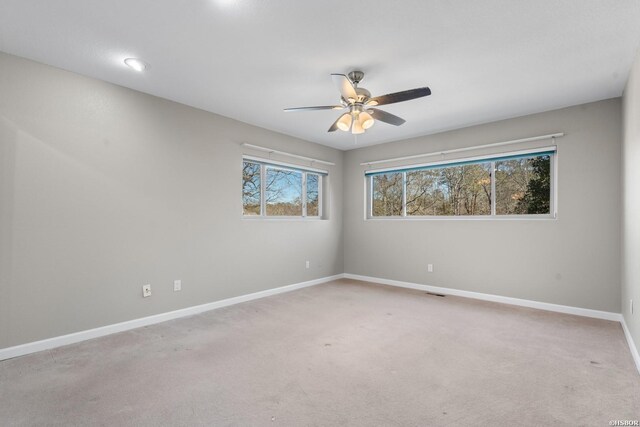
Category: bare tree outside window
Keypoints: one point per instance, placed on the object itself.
(251, 188)
(313, 206)
(283, 192)
(387, 194)
(465, 190)
(424, 195)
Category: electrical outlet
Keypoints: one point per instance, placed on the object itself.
(307, 264)
(631, 305)
(146, 291)
(177, 285)
(430, 268)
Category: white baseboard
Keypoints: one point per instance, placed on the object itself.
(632, 345)
(46, 344)
(606, 315)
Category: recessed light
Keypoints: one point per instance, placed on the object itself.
(136, 64)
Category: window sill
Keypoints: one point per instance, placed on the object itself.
(468, 218)
(282, 218)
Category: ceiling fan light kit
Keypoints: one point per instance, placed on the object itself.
(361, 116)
(366, 120)
(344, 122)
(356, 127)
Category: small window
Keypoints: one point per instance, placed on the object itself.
(496, 186)
(280, 191)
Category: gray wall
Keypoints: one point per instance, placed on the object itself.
(104, 189)
(631, 203)
(573, 260)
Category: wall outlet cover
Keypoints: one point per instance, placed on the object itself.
(146, 291)
(177, 285)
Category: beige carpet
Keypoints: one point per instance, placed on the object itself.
(342, 353)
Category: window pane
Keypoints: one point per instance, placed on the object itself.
(312, 194)
(387, 194)
(450, 191)
(251, 188)
(424, 195)
(523, 186)
(283, 192)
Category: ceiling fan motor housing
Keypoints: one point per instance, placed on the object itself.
(363, 95)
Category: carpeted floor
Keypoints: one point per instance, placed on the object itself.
(342, 353)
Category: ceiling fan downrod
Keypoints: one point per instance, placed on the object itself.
(356, 77)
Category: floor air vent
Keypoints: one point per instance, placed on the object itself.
(435, 295)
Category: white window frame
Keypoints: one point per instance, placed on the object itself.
(553, 198)
(270, 164)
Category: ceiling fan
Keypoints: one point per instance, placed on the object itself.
(361, 115)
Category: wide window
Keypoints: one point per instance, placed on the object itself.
(270, 190)
(509, 185)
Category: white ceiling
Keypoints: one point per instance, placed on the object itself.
(249, 59)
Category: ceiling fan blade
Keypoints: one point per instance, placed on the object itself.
(383, 116)
(345, 86)
(407, 95)
(320, 107)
